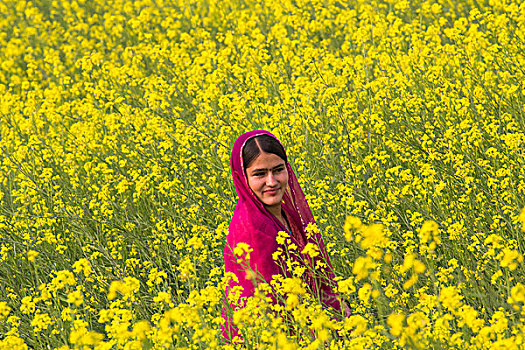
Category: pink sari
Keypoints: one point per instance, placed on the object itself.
(254, 225)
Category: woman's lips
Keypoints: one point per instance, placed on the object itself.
(272, 191)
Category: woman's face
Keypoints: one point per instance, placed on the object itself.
(268, 178)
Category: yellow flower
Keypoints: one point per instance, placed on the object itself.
(83, 337)
(140, 330)
(499, 322)
(410, 282)
(395, 322)
(361, 267)
(429, 234)
(469, 316)
(311, 249)
(351, 223)
(517, 294)
(510, 258)
(31, 255)
(312, 230)
(407, 263)
(346, 286)
(28, 305)
(63, 278)
(75, 297)
(156, 277)
(419, 267)
(293, 286)
(356, 323)
(186, 269)
(128, 287)
(242, 250)
(365, 292)
(114, 287)
(292, 300)
(13, 342)
(521, 218)
(67, 314)
(163, 297)
(83, 265)
(373, 236)
(41, 322)
(131, 285)
(282, 237)
(4, 310)
(450, 298)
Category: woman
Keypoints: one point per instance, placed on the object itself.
(270, 200)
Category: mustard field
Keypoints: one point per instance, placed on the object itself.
(404, 121)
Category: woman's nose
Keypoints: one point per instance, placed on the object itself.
(270, 180)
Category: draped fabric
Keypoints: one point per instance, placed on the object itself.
(254, 225)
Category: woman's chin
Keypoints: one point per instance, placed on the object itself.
(272, 203)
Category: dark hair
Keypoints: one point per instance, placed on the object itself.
(264, 143)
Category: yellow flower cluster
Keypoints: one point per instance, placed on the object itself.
(403, 121)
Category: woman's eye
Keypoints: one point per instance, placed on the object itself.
(278, 170)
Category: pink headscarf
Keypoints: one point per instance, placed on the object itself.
(253, 224)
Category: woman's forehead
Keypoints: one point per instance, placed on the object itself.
(266, 161)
